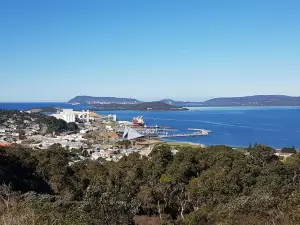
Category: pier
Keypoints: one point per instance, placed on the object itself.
(159, 132)
(169, 133)
(202, 133)
(197, 129)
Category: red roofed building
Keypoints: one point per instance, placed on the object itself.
(5, 144)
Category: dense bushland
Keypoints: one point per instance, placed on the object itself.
(216, 185)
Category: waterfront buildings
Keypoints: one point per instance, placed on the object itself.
(69, 115)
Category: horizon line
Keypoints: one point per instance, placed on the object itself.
(208, 98)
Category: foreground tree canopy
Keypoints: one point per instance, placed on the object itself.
(216, 185)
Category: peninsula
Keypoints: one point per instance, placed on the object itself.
(145, 106)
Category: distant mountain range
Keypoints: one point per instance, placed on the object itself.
(256, 100)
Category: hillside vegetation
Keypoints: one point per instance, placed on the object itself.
(217, 185)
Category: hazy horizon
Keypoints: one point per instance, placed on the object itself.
(52, 51)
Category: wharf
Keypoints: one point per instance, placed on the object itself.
(197, 129)
(203, 133)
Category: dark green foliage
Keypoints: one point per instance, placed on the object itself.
(217, 185)
(58, 125)
(55, 125)
(124, 143)
(289, 150)
(72, 126)
(261, 155)
(20, 174)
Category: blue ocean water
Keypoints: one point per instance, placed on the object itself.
(32, 105)
(273, 126)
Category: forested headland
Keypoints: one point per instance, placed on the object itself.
(216, 185)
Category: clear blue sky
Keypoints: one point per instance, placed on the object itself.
(53, 50)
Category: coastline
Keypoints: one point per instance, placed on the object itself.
(34, 105)
(232, 126)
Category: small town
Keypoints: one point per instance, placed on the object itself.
(150, 112)
(94, 136)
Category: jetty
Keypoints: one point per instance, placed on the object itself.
(197, 129)
(202, 133)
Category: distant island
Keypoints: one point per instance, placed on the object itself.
(145, 106)
(102, 100)
(49, 109)
(169, 104)
(256, 100)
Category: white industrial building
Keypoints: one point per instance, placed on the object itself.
(69, 115)
(66, 115)
(112, 117)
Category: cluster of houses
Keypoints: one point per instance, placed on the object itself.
(106, 127)
(12, 130)
(111, 154)
(72, 141)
